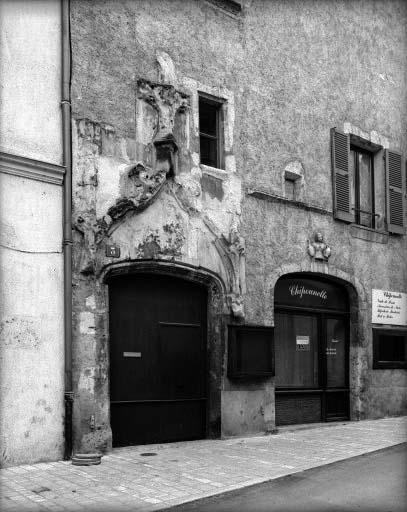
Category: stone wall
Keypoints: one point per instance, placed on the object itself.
(288, 72)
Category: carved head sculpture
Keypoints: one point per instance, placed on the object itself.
(319, 237)
(237, 306)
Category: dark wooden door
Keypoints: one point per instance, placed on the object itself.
(157, 359)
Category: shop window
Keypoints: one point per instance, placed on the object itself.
(389, 349)
(250, 351)
(366, 191)
(210, 133)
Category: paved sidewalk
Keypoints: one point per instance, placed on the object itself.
(130, 480)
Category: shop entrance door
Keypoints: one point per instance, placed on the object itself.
(311, 361)
(157, 359)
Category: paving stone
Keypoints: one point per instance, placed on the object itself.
(186, 471)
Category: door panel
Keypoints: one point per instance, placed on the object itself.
(157, 359)
(335, 353)
(183, 369)
(311, 361)
(296, 348)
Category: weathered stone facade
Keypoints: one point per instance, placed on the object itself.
(287, 72)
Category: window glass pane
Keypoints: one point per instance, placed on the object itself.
(365, 189)
(208, 118)
(208, 148)
(296, 349)
(391, 348)
(335, 352)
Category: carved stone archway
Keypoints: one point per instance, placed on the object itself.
(217, 315)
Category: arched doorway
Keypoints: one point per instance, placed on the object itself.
(158, 359)
(311, 350)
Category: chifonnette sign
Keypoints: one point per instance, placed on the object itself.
(389, 307)
(300, 290)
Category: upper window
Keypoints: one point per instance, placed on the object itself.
(389, 349)
(210, 139)
(366, 191)
(362, 187)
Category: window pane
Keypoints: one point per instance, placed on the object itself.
(365, 189)
(335, 352)
(208, 115)
(296, 348)
(208, 148)
(391, 348)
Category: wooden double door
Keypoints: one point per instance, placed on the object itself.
(158, 384)
(312, 353)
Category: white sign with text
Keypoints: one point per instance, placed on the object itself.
(389, 307)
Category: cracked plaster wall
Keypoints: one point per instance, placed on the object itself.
(31, 261)
(31, 322)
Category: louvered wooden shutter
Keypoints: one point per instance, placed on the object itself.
(394, 192)
(340, 146)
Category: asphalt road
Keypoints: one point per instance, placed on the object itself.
(371, 482)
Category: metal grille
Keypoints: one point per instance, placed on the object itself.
(291, 410)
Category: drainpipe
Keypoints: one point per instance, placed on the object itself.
(67, 228)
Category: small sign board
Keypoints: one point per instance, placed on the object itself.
(112, 251)
(389, 307)
(302, 342)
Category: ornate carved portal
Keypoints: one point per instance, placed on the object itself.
(162, 159)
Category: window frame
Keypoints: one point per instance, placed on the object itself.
(240, 334)
(388, 365)
(218, 104)
(357, 192)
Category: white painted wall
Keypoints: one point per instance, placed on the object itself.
(30, 65)
(31, 260)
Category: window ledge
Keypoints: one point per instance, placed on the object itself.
(369, 234)
(230, 7)
(214, 171)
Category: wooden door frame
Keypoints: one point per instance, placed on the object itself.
(321, 316)
(217, 319)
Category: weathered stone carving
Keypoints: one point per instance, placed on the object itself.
(166, 71)
(167, 102)
(141, 186)
(142, 182)
(237, 249)
(232, 253)
(318, 249)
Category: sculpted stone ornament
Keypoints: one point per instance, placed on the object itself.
(237, 249)
(236, 305)
(141, 183)
(232, 252)
(141, 187)
(318, 249)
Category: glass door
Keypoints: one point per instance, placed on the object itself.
(336, 403)
(296, 346)
(311, 367)
(297, 368)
